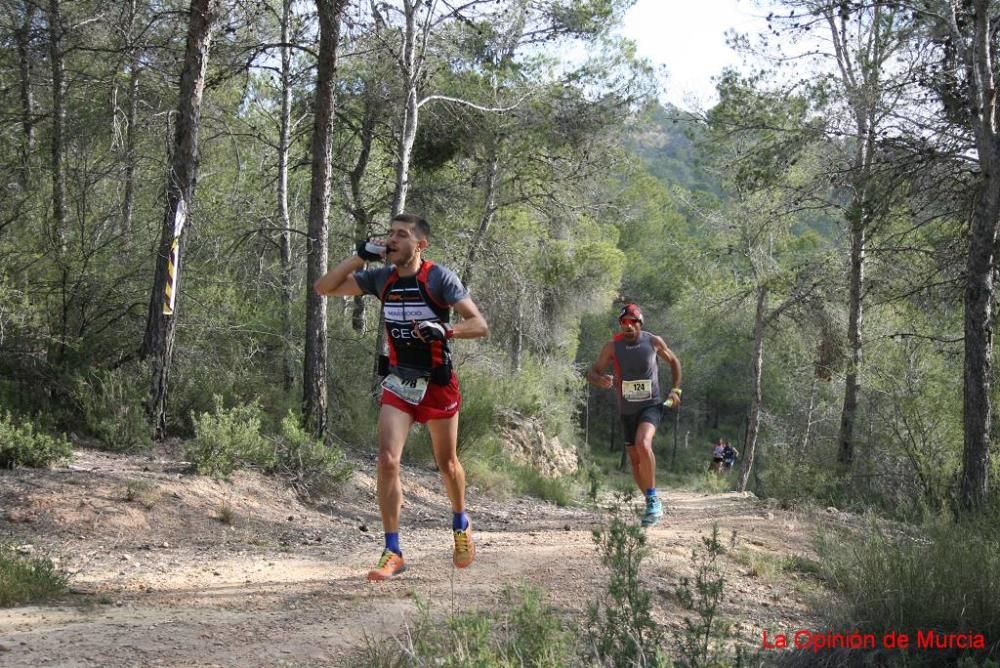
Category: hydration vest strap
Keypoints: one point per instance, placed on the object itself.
(421, 276)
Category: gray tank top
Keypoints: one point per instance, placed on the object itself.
(636, 374)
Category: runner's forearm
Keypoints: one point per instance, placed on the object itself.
(331, 280)
(473, 328)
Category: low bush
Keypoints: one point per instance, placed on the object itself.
(621, 630)
(22, 445)
(945, 579)
(521, 630)
(227, 439)
(111, 402)
(316, 469)
(555, 490)
(26, 579)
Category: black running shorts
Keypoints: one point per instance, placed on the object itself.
(630, 423)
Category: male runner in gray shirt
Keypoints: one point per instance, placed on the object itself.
(417, 299)
(637, 382)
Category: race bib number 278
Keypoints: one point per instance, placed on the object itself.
(410, 391)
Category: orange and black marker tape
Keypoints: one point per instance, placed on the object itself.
(170, 290)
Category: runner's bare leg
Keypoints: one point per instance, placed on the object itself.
(393, 428)
(444, 442)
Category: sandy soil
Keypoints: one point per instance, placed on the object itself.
(160, 580)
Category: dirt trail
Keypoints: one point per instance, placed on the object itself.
(161, 581)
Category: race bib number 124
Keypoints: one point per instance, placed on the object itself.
(637, 390)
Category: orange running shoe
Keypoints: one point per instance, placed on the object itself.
(465, 551)
(389, 566)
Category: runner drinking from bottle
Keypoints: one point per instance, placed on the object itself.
(417, 298)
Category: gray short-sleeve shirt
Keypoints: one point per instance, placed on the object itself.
(443, 283)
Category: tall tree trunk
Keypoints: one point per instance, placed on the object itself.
(852, 382)
(23, 38)
(756, 374)
(977, 376)
(362, 219)
(285, 239)
(408, 125)
(158, 340)
(132, 117)
(58, 124)
(56, 155)
(489, 211)
(863, 44)
(314, 394)
(975, 48)
(810, 410)
(131, 137)
(517, 337)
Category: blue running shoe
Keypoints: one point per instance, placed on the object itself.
(654, 511)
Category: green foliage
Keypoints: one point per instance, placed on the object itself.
(22, 445)
(699, 644)
(666, 141)
(593, 474)
(917, 418)
(546, 392)
(792, 479)
(227, 439)
(225, 513)
(143, 492)
(112, 404)
(487, 470)
(774, 566)
(316, 469)
(520, 630)
(621, 624)
(25, 579)
(947, 577)
(531, 482)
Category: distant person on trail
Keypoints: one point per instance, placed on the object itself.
(417, 298)
(718, 450)
(633, 353)
(729, 455)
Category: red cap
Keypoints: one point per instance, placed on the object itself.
(630, 311)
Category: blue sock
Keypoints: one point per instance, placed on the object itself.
(392, 543)
(651, 492)
(459, 521)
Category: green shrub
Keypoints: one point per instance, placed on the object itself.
(593, 476)
(143, 492)
(531, 482)
(700, 643)
(487, 469)
(21, 445)
(549, 393)
(622, 628)
(521, 630)
(25, 579)
(947, 579)
(226, 513)
(227, 439)
(773, 566)
(315, 468)
(111, 401)
(793, 480)
(209, 370)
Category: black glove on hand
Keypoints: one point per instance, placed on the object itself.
(431, 331)
(369, 251)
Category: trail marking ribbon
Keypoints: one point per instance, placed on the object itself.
(174, 260)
